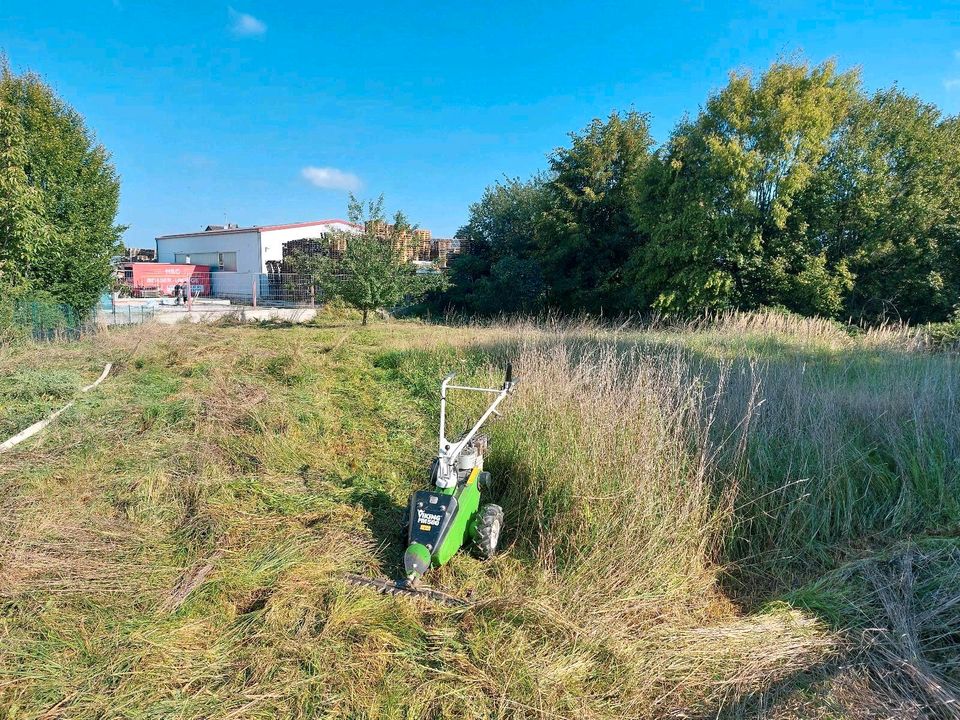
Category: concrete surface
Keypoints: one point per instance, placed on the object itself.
(241, 313)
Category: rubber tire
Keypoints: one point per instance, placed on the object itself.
(489, 527)
(484, 481)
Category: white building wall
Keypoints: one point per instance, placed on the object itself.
(254, 247)
(245, 244)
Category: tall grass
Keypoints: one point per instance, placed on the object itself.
(860, 447)
(811, 438)
(606, 460)
(174, 547)
(606, 469)
(639, 465)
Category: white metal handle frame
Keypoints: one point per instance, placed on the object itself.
(449, 452)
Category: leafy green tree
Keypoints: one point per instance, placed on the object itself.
(58, 195)
(22, 226)
(372, 274)
(365, 211)
(719, 204)
(788, 189)
(502, 271)
(886, 200)
(684, 266)
(589, 231)
(401, 224)
(513, 286)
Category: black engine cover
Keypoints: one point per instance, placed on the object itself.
(430, 516)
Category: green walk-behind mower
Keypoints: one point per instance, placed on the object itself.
(442, 519)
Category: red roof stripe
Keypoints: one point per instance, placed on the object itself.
(309, 224)
(260, 228)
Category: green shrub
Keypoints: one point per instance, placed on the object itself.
(944, 335)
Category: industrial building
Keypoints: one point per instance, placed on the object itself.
(229, 248)
(251, 263)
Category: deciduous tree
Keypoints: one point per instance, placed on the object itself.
(720, 207)
(58, 195)
(589, 231)
(790, 188)
(502, 272)
(372, 274)
(886, 200)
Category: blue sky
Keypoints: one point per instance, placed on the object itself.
(266, 112)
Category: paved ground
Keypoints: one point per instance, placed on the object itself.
(132, 312)
(244, 313)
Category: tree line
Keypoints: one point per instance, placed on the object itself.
(794, 189)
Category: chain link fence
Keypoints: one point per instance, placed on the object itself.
(113, 311)
(51, 321)
(276, 289)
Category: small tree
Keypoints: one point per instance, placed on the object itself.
(372, 273)
(370, 276)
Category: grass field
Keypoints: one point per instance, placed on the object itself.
(754, 517)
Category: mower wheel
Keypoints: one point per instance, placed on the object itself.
(489, 525)
(484, 481)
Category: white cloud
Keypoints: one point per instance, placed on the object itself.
(330, 178)
(244, 25)
(952, 84)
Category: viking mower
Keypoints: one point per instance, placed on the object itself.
(441, 520)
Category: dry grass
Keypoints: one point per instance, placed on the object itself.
(173, 547)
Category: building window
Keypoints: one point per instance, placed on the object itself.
(225, 261)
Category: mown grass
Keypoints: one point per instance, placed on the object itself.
(28, 395)
(703, 520)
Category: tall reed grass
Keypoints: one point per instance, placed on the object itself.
(807, 438)
(651, 471)
(608, 462)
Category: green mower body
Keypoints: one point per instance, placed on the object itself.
(443, 519)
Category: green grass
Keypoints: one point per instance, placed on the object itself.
(28, 395)
(702, 520)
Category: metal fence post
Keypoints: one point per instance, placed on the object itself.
(254, 289)
(313, 294)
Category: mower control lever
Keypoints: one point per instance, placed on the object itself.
(450, 452)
